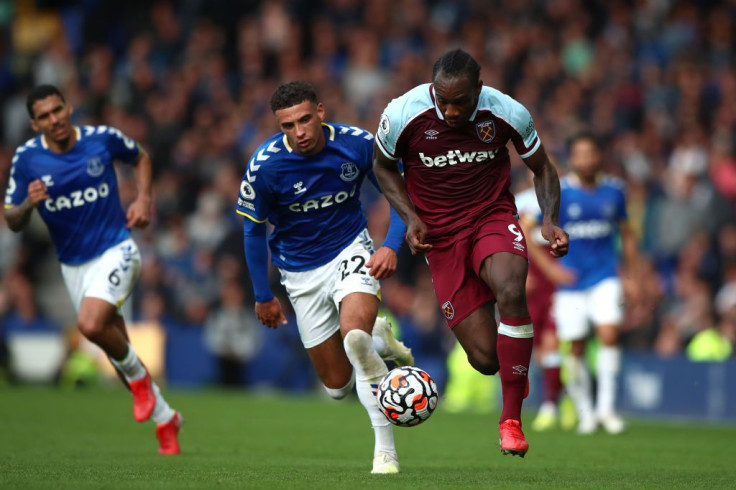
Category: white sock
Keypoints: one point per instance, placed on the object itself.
(340, 393)
(130, 365)
(548, 408)
(369, 369)
(578, 386)
(162, 412)
(608, 365)
(550, 360)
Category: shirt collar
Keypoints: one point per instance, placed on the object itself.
(331, 137)
(45, 145)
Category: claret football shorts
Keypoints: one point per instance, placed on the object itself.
(110, 277)
(316, 294)
(455, 264)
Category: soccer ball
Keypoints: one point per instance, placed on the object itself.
(407, 396)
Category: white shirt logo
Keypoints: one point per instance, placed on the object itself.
(431, 134)
(299, 187)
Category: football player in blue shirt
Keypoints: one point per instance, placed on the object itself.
(593, 213)
(67, 174)
(306, 182)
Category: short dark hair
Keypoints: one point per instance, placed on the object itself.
(293, 93)
(457, 63)
(583, 136)
(40, 93)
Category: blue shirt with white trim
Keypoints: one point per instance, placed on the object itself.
(592, 218)
(83, 214)
(312, 201)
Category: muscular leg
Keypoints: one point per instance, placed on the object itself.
(119, 323)
(97, 322)
(332, 365)
(351, 350)
(357, 311)
(505, 274)
(100, 322)
(477, 336)
(357, 316)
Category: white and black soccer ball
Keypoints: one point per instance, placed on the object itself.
(407, 396)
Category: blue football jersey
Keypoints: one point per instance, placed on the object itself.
(83, 214)
(592, 217)
(312, 201)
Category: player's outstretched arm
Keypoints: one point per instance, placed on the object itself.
(392, 186)
(18, 216)
(547, 187)
(139, 211)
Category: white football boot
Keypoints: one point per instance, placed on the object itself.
(587, 425)
(392, 349)
(612, 423)
(385, 463)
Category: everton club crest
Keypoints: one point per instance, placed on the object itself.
(486, 131)
(349, 171)
(95, 168)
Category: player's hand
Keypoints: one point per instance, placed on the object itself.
(557, 238)
(270, 313)
(37, 192)
(139, 213)
(416, 234)
(382, 264)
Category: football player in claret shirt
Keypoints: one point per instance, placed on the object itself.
(67, 174)
(451, 136)
(593, 212)
(306, 182)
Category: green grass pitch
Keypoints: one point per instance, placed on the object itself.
(87, 439)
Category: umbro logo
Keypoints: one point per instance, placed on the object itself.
(431, 134)
(299, 187)
(520, 370)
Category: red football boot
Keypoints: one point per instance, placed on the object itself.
(512, 438)
(167, 435)
(143, 398)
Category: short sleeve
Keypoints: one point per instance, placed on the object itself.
(17, 189)
(524, 137)
(389, 127)
(121, 147)
(254, 197)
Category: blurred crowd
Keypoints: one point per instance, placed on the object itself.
(191, 81)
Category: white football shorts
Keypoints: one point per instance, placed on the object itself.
(316, 294)
(111, 276)
(574, 311)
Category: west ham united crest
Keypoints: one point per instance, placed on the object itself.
(486, 131)
(448, 310)
(349, 171)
